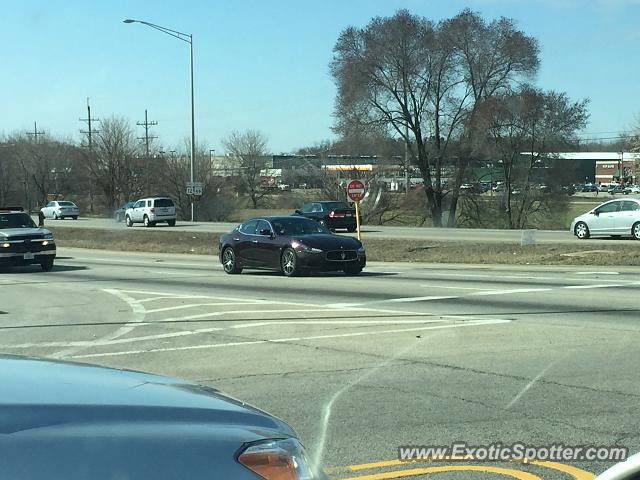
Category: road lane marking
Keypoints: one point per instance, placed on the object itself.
(483, 293)
(575, 472)
(586, 287)
(597, 273)
(530, 384)
(267, 323)
(412, 472)
(508, 292)
(478, 323)
(138, 316)
(194, 305)
(427, 285)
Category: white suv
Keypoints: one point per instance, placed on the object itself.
(151, 211)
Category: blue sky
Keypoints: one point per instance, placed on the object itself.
(263, 64)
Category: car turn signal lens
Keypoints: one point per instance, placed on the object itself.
(278, 460)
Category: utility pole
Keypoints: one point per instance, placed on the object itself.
(407, 175)
(146, 124)
(89, 133)
(35, 132)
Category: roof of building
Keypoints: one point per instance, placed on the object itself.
(606, 156)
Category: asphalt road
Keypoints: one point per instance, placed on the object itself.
(405, 354)
(374, 231)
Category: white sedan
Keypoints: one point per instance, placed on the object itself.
(58, 209)
(615, 218)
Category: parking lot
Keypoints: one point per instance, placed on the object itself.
(402, 355)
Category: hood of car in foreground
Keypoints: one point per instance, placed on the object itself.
(48, 394)
(328, 242)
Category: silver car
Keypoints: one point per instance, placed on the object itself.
(73, 421)
(615, 218)
(59, 209)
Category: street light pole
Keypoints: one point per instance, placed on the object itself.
(193, 125)
(188, 38)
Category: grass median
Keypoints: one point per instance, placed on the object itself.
(381, 250)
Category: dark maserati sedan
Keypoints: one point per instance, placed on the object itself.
(66, 421)
(291, 245)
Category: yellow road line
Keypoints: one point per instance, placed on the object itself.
(575, 472)
(519, 474)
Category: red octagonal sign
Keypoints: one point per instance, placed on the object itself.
(355, 190)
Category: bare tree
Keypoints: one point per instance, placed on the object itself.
(113, 165)
(10, 173)
(525, 128)
(50, 164)
(249, 148)
(421, 81)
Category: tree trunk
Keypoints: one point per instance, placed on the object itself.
(434, 201)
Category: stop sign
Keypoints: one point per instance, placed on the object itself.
(355, 190)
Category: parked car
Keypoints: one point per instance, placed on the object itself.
(76, 421)
(291, 245)
(589, 187)
(617, 188)
(22, 242)
(331, 214)
(151, 211)
(632, 189)
(118, 215)
(60, 209)
(615, 218)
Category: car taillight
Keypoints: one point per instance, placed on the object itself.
(282, 459)
(334, 214)
(152, 210)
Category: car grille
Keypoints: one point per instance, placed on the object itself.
(342, 255)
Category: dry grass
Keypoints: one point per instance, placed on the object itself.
(385, 250)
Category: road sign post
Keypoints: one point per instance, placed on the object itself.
(355, 193)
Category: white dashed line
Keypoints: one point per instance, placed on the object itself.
(292, 339)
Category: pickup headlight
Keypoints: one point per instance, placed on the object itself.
(6, 245)
(48, 236)
(361, 250)
(283, 459)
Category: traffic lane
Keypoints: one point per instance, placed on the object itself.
(368, 231)
(513, 292)
(390, 288)
(379, 281)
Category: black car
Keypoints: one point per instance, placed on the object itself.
(331, 214)
(291, 245)
(22, 242)
(118, 215)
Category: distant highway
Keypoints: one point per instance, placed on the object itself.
(373, 231)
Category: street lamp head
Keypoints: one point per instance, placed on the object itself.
(129, 20)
